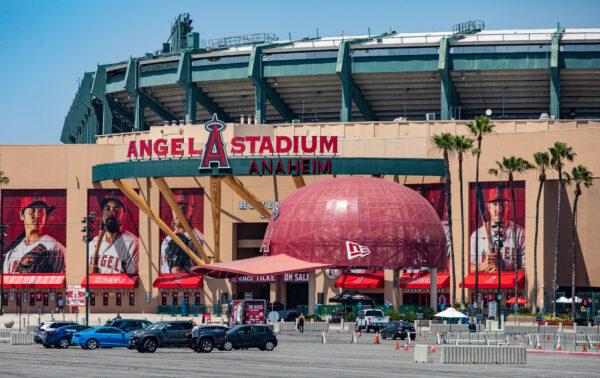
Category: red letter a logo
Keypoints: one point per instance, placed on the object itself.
(214, 151)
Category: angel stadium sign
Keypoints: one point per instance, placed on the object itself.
(215, 155)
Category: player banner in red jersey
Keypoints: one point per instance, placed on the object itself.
(191, 202)
(114, 247)
(495, 207)
(36, 232)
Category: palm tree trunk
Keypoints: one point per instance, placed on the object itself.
(511, 184)
(477, 220)
(535, 243)
(449, 205)
(556, 243)
(462, 229)
(573, 232)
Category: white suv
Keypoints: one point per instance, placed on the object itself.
(370, 319)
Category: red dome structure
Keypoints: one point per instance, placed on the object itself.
(357, 222)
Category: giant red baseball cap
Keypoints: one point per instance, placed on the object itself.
(182, 198)
(113, 195)
(35, 201)
(498, 194)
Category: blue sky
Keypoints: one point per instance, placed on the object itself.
(46, 46)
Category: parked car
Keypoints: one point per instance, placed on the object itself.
(101, 337)
(128, 325)
(247, 336)
(48, 326)
(370, 319)
(161, 335)
(399, 330)
(61, 337)
(204, 338)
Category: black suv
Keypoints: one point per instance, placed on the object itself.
(246, 336)
(205, 338)
(161, 334)
(128, 325)
(400, 330)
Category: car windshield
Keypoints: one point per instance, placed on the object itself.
(156, 326)
(373, 313)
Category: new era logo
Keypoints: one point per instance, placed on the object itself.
(355, 250)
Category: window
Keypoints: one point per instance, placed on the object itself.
(185, 326)
(244, 330)
(113, 330)
(259, 330)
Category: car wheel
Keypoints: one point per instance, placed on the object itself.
(140, 349)
(269, 346)
(91, 344)
(64, 343)
(150, 346)
(206, 345)
(383, 336)
(47, 345)
(228, 346)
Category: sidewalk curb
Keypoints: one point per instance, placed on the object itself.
(588, 354)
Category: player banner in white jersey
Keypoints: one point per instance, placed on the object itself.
(191, 202)
(496, 222)
(36, 232)
(114, 247)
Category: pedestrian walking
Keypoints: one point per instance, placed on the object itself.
(301, 320)
(61, 304)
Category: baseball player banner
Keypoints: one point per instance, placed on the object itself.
(36, 233)
(114, 247)
(495, 207)
(191, 202)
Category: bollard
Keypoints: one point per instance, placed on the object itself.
(405, 347)
(438, 339)
(323, 339)
(353, 341)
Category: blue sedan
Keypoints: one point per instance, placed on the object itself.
(61, 337)
(101, 337)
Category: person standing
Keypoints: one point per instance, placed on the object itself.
(301, 320)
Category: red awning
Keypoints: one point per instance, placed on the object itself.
(178, 281)
(360, 281)
(111, 281)
(490, 280)
(39, 281)
(258, 266)
(422, 280)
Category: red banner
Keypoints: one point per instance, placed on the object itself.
(36, 232)
(191, 202)
(114, 247)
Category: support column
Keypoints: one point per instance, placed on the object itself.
(392, 287)
(312, 292)
(215, 192)
(260, 105)
(140, 107)
(555, 74)
(191, 109)
(433, 289)
(448, 95)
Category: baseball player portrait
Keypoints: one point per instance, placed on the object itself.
(499, 209)
(114, 249)
(172, 258)
(34, 251)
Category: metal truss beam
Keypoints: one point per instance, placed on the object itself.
(263, 90)
(350, 90)
(193, 94)
(555, 73)
(108, 104)
(449, 98)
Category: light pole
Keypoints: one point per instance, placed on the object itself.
(498, 244)
(2, 240)
(87, 229)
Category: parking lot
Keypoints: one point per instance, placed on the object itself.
(296, 355)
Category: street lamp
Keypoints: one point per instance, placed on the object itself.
(2, 240)
(498, 244)
(87, 229)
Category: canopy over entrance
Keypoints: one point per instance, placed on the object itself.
(255, 266)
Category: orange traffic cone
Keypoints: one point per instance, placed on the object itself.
(584, 348)
(547, 337)
(397, 347)
(376, 341)
(558, 347)
(405, 347)
(433, 349)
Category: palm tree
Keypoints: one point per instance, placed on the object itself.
(461, 145)
(478, 128)
(509, 167)
(559, 152)
(581, 176)
(542, 162)
(445, 142)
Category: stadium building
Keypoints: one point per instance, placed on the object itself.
(281, 114)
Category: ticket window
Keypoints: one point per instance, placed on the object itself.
(118, 300)
(197, 299)
(5, 299)
(18, 297)
(175, 298)
(45, 299)
(163, 299)
(92, 299)
(131, 298)
(105, 299)
(32, 299)
(186, 297)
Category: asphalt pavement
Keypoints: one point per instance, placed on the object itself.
(296, 356)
